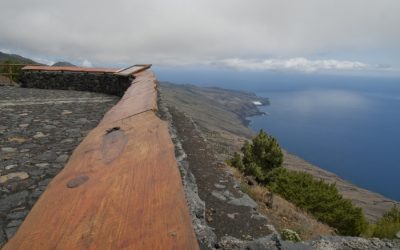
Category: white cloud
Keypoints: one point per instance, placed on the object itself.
(6, 51)
(87, 63)
(293, 64)
(43, 61)
(192, 31)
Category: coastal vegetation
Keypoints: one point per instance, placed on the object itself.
(291, 235)
(320, 199)
(262, 158)
(259, 157)
(387, 227)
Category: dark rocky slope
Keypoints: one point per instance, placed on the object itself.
(58, 64)
(15, 58)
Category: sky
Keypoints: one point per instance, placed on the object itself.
(254, 35)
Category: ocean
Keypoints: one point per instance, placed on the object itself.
(349, 125)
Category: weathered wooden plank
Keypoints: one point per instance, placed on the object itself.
(133, 69)
(149, 75)
(130, 107)
(138, 89)
(144, 81)
(121, 188)
(140, 97)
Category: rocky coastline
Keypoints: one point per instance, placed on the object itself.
(233, 108)
(207, 125)
(374, 205)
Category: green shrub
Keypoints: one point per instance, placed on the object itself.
(388, 225)
(236, 162)
(319, 198)
(291, 235)
(262, 158)
(259, 157)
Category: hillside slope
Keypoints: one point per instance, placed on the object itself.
(222, 117)
(15, 58)
(59, 64)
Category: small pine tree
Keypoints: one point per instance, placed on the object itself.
(262, 158)
(262, 155)
(236, 162)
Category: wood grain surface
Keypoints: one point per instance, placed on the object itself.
(133, 69)
(140, 97)
(121, 188)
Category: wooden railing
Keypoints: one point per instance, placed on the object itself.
(121, 188)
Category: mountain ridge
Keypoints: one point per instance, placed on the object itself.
(16, 58)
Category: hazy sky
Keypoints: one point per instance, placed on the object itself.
(303, 35)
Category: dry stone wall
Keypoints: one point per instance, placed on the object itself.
(107, 83)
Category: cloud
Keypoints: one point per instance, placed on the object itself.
(87, 63)
(192, 31)
(43, 60)
(293, 64)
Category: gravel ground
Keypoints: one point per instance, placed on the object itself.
(39, 129)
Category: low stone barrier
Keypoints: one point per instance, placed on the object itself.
(104, 82)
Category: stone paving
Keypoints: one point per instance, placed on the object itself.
(39, 129)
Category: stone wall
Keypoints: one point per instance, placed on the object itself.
(94, 82)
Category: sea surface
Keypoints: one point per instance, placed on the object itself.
(349, 125)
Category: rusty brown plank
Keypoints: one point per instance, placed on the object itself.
(121, 189)
(144, 82)
(133, 69)
(140, 97)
